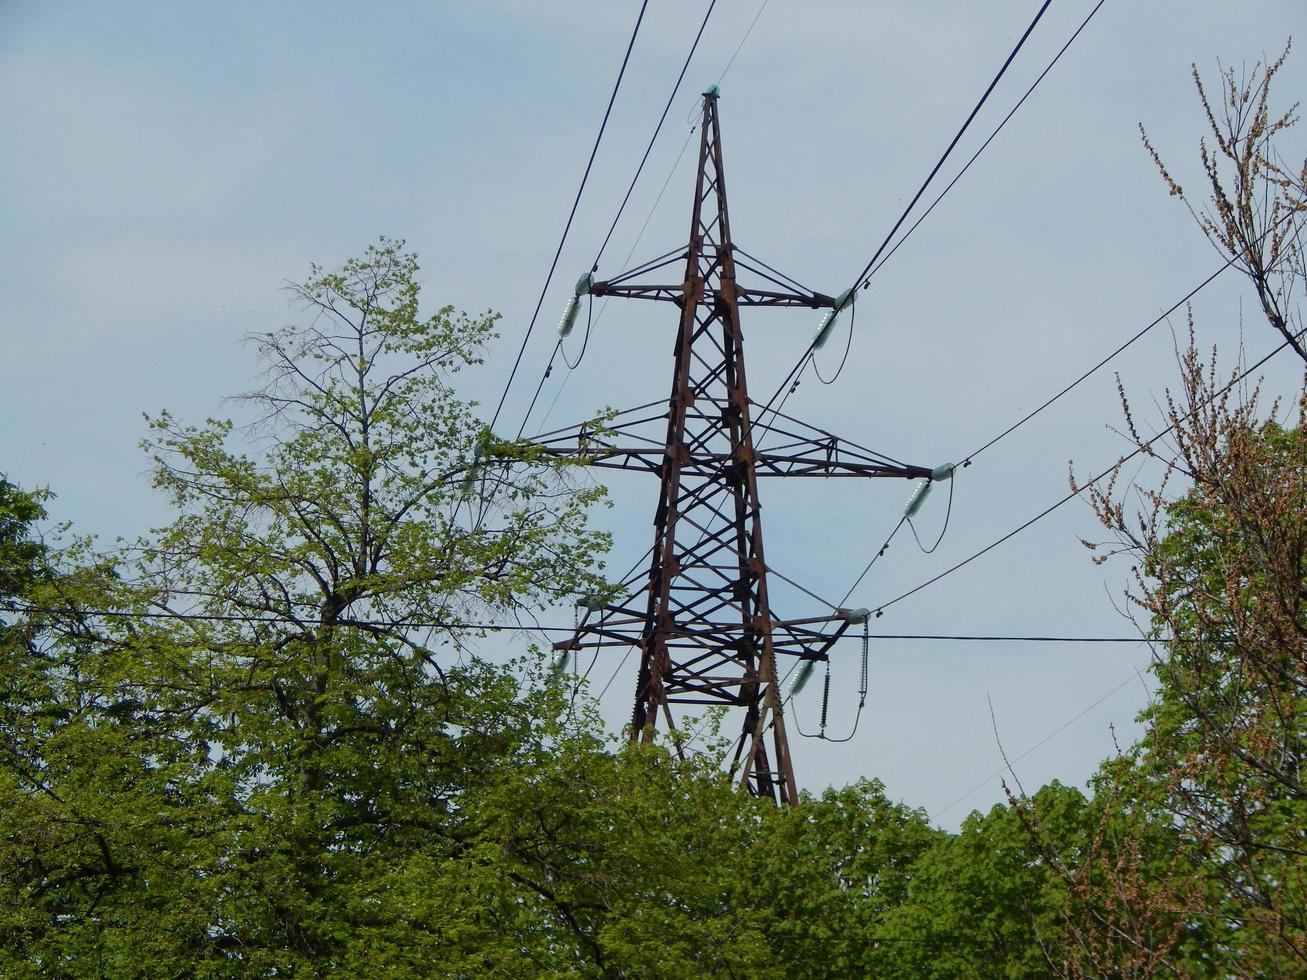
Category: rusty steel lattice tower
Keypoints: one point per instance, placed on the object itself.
(701, 617)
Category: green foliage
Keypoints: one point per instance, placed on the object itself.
(21, 556)
(256, 763)
(1202, 872)
(988, 901)
(258, 743)
(827, 874)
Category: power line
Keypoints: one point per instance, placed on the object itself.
(878, 265)
(558, 345)
(521, 627)
(967, 460)
(861, 278)
(721, 78)
(1160, 319)
(659, 128)
(983, 146)
(1129, 342)
(1144, 447)
(572, 214)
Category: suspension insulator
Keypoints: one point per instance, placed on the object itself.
(866, 652)
(940, 473)
(574, 304)
(917, 499)
(825, 700)
(569, 316)
(804, 674)
(844, 301)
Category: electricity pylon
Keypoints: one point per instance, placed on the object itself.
(702, 619)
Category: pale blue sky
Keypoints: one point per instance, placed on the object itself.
(165, 167)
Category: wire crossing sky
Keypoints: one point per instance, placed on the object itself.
(168, 168)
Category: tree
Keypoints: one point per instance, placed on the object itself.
(624, 863)
(263, 737)
(1195, 865)
(1257, 199)
(1222, 574)
(989, 900)
(824, 877)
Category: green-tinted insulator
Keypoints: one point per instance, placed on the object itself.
(918, 498)
(559, 665)
(569, 316)
(845, 300)
(712, 93)
(855, 617)
(480, 450)
(805, 672)
(584, 283)
(594, 603)
(944, 471)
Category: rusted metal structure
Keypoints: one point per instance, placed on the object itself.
(701, 618)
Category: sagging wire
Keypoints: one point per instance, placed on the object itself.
(848, 346)
(863, 687)
(585, 341)
(948, 512)
(863, 279)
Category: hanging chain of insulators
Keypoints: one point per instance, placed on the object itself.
(863, 685)
(825, 701)
(866, 649)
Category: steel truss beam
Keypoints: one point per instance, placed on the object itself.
(702, 618)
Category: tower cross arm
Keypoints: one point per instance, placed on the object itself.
(790, 449)
(676, 293)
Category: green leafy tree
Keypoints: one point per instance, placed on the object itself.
(89, 801)
(621, 863)
(1196, 867)
(1222, 572)
(824, 877)
(989, 900)
(253, 766)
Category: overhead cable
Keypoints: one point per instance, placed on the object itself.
(572, 214)
(1100, 364)
(861, 278)
(1142, 448)
(657, 129)
(512, 627)
(983, 146)
(594, 266)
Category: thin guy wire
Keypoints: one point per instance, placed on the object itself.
(721, 78)
(1038, 745)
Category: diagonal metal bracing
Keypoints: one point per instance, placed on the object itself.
(700, 613)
